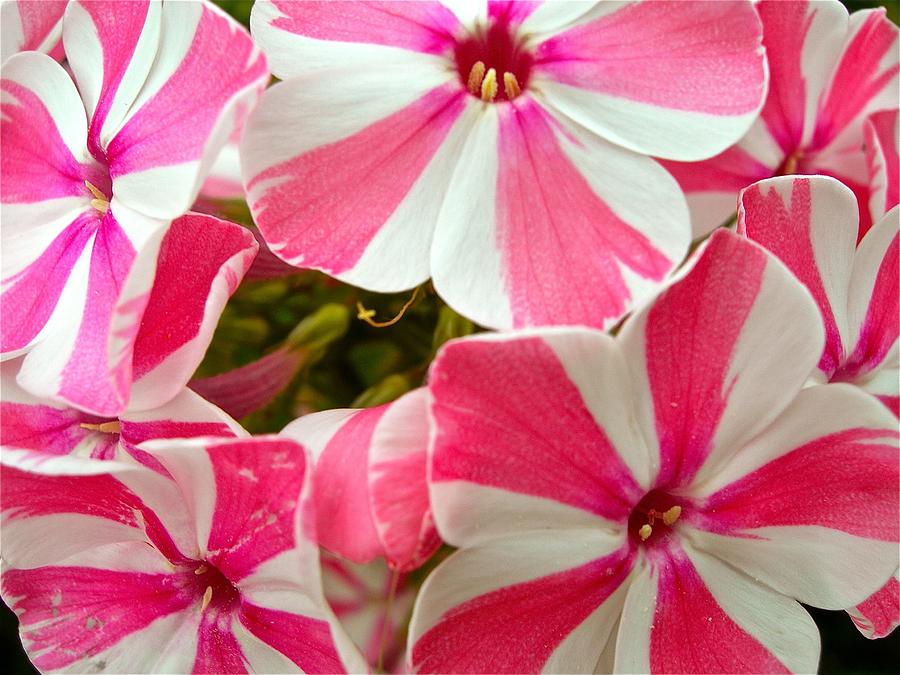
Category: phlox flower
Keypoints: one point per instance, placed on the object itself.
(30, 423)
(204, 566)
(810, 223)
(828, 72)
(369, 480)
(661, 501)
(26, 25)
(99, 287)
(500, 149)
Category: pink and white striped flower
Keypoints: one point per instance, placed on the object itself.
(811, 224)
(369, 480)
(706, 494)
(26, 25)
(29, 423)
(502, 153)
(92, 178)
(113, 567)
(883, 161)
(829, 71)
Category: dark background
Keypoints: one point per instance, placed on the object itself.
(844, 649)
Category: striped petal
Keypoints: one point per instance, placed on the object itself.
(873, 316)
(709, 390)
(299, 36)
(528, 198)
(505, 408)
(810, 507)
(523, 604)
(371, 181)
(691, 613)
(182, 308)
(810, 224)
(883, 160)
(681, 80)
(878, 615)
(32, 26)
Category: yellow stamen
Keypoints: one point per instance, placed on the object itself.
(106, 427)
(207, 596)
(201, 569)
(99, 202)
(476, 75)
(645, 531)
(511, 85)
(366, 314)
(790, 164)
(489, 86)
(670, 516)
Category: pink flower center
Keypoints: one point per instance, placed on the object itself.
(213, 588)
(651, 521)
(492, 62)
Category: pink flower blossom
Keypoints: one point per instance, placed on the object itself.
(92, 178)
(811, 224)
(657, 502)
(504, 154)
(26, 25)
(113, 567)
(369, 480)
(829, 71)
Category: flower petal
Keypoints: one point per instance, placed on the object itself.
(696, 349)
(810, 224)
(529, 196)
(86, 619)
(882, 133)
(659, 78)
(505, 408)
(522, 604)
(397, 463)
(371, 180)
(110, 47)
(299, 37)
(78, 511)
(873, 315)
(810, 507)
(182, 309)
(864, 80)
(339, 441)
(878, 615)
(32, 26)
(689, 613)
